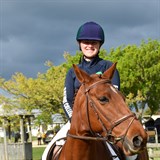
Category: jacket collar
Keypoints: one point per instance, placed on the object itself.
(91, 63)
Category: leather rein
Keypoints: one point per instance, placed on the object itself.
(109, 136)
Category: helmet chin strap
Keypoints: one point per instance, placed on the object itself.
(88, 59)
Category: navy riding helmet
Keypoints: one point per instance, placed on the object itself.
(90, 31)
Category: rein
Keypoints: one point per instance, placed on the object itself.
(90, 138)
(97, 137)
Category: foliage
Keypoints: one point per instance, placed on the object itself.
(139, 68)
(44, 92)
(70, 60)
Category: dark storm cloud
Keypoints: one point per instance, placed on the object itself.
(33, 32)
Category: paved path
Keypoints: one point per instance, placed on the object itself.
(35, 144)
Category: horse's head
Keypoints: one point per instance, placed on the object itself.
(100, 111)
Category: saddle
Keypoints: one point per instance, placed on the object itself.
(55, 151)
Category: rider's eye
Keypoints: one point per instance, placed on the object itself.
(103, 100)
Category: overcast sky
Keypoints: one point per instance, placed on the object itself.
(34, 31)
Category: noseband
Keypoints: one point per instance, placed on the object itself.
(96, 136)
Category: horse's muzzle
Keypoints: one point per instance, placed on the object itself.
(137, 141)
(134, 146)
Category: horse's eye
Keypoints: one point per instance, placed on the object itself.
(103, 100)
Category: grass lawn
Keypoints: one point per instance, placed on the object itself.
(37, 152)
(157, 151)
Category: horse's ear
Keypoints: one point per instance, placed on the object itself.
(81, 75)
(108, 74)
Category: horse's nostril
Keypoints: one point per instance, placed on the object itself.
(137, 141)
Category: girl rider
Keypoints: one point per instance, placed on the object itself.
(90, 38)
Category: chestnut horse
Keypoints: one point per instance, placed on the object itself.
(100, 114)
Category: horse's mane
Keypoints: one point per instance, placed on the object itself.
(76, 91)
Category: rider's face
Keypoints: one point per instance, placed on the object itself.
(89, 48)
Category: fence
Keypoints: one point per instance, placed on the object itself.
(153, 153)
(15, 151)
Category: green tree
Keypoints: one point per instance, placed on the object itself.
(70, 60)
(44, 92)
(139, 68)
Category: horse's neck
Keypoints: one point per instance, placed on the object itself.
(78, 149)
(79, 124)
(86, 150)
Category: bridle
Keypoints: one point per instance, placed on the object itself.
(96, 136)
